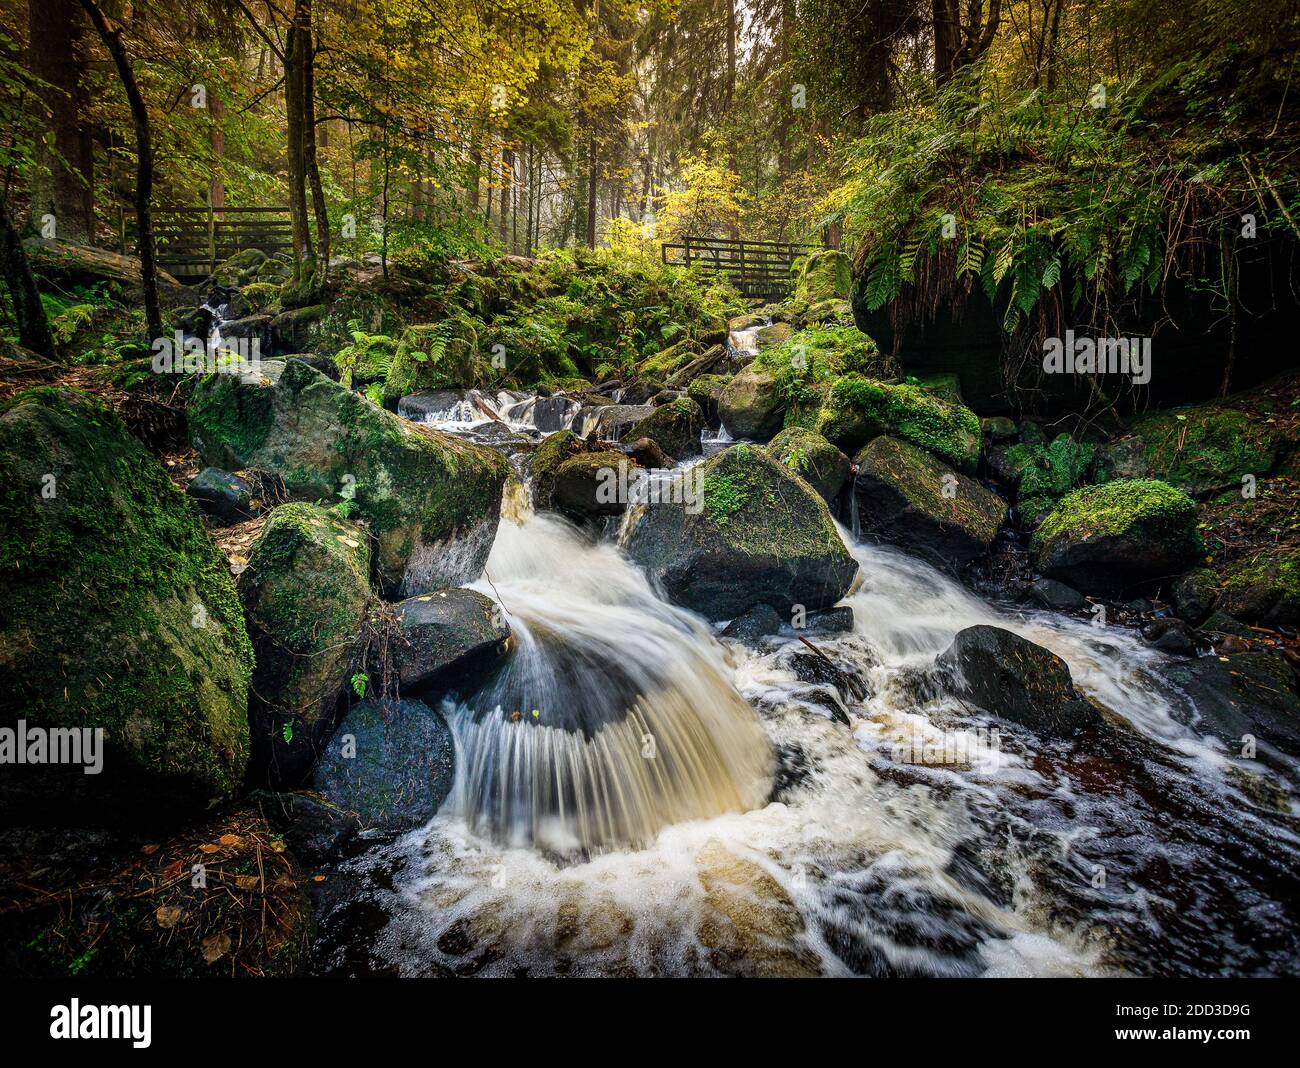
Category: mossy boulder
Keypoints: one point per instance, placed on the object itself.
(298, 329)
(662, 365)
(225, 497)
(773, 334)
(812, 458)
(545, 461)
(675, 427)
(261, 296)
(1194, 595)
(750, 532)
(1042, 474)
(945, 385)
(1014, 679)
(706, 391)
(446, 636)
(824, 275)
(908, 497)
(119, 613)
(239, 269)
(586, 485)
(1199, 451)
(307, 595)
(750, 405)
(392, 765)
(431, 501)
(858, 409)
(1109, 538)
(1264, 590)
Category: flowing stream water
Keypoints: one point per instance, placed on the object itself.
(666, 802)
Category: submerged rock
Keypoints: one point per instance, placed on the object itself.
(1105, 539)
(392, 766)
(431, 500)
(1248, 693)
(119, 614)
(1012, 678)
(758, 622)
(750, 405)
(446, 633)
(907, 497)
(812, 458)
(759, 535)
(315, 830)
(1052, 594)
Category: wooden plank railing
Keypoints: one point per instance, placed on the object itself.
(194, 241)
(760, 269)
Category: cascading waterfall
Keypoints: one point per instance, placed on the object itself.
(613, 718)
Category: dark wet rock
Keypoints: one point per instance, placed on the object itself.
(910, 498)
(675, 427)
(812, 458)
(1248, 693)
(750, 405)
(587, 485)
(119, 613)
(1108, 538)
(646, 453)
(1012, 678)
(315, 830)
(1056, 595)
(548, 414)
(250, 327)
(393, 766)
(1193, 595)
(838, 620)
(446, 635)
(324, 364)
(431, 500)
(757, 534)
(306, 595)
(706, 391)
(809, 667)
(1171, 636)
(758, 622)
(221, 495)
(611, 421)
(639, 392)
(429, 403)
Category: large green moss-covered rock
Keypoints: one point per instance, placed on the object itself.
(752, 533)
(1198, 450)
(431, 501)
(119, 613)
(545, 461)
(907, 497)
(675, 427)
(813, 458)
(750, 405)
(587, 485)
(858, 409)
(1106, 539)
(307, 593)
(824, 275)
(435, 356)
(298, 329)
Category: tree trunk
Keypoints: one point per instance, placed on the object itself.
(507, 175)
(33, 326)
(947, 39)
(296, 59)
(216, 184)
(309, 152)
(143, 168)
(62, 187)
(591, 191)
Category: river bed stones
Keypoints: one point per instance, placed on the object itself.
(447, 633)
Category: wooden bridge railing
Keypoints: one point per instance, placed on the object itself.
(193, 241)
(760, 269)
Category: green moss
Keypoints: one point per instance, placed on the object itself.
(262, 295)
(1199, 450)
(858, 409)
(1050, 471)
(442, 355)
(824, 275)
(1128, 508)
(119, 611)
(817, 356)
(704, 389)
